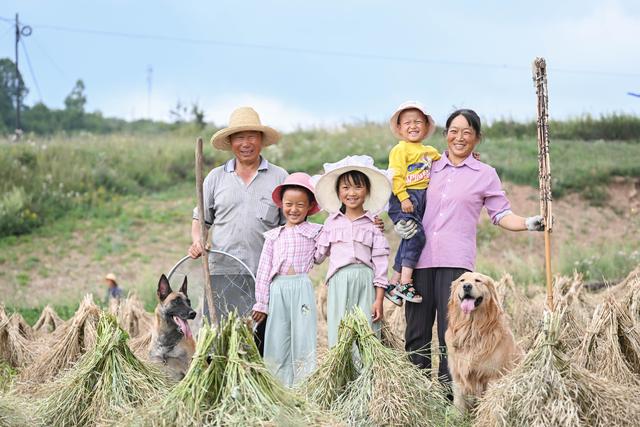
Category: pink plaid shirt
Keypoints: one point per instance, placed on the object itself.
(285, 248)
(354, 242)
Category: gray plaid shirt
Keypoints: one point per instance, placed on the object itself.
(240, 213)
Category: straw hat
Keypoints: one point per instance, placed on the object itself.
(244, 119)
(299, 179)
(380, 183)
(408, 105)
(111, 277)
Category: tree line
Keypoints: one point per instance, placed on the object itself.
(42, 120)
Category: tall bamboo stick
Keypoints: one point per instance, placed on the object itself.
(544, 166)
(208, 291)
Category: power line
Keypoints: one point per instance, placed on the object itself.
(46, 54)
(322, 52)
(33, 75)
(289, 49)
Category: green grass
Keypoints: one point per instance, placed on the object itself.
(84, 175)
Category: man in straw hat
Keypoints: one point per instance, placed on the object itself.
(238, 204)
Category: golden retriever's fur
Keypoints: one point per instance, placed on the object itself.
(480, 345)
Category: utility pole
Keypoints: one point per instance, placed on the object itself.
(24, 31)
(19, 80)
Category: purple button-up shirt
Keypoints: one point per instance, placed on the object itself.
(455, 197)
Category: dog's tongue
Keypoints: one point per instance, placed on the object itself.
(184, 326)
(468, 305)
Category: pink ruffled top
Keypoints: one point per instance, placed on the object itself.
(348, 242)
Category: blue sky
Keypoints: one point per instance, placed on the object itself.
(325, 63)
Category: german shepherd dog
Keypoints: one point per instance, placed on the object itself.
(172, 344)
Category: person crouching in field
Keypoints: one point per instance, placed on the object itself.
(113, 290)
(352, 191)
(411, 165)
(284, 293)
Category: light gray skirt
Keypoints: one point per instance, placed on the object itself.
(290, 335)
(349, 287)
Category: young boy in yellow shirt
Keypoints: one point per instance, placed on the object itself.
(411, 165)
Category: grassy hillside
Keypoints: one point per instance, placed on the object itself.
(74, 208)
(44, 179)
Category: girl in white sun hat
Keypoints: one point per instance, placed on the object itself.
(353, 191)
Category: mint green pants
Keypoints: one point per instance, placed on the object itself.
(349, 287)
(290, 335)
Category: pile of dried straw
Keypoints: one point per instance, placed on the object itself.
(107, 381)
(375, 385)
(65, 345)
(48, 321)
(549, 389)
(15, 411)
(131, 315)
(228, 384)
(611, 346)
(15, 340)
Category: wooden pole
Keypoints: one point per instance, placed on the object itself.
(544, 167)
(208, 290)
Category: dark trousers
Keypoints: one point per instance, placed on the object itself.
(235, 292)
(434, 284)
(410, 249)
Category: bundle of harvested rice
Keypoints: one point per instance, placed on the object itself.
(21, 325)
(381, 387)
(249, 393)
(131, 315)
(14, 411)
(48, 321)
(388, 336)
(106, 381)
(227, 384)
(140, 345)
(632, 300)
(548, 389)
(611, 346)
(190, 402)
(65, 345)
(524, 313)
(15, 345)
(568, 296)
(621, 290)
(395, 318)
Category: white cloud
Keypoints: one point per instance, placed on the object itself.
(273, 112)
(133, 105)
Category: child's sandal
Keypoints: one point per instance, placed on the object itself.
(392, 295)
(407, 291)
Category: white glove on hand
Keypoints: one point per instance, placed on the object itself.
(535, 223)
(406, 229)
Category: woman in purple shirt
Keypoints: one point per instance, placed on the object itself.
(460, 187)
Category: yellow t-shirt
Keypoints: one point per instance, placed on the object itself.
(411, 164)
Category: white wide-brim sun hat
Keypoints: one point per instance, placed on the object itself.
(244, 119)
(380, 184)
(409, 105)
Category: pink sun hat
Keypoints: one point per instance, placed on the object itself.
(299, 179)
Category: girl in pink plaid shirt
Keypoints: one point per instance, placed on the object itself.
(284, 293)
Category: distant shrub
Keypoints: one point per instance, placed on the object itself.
(612, 127)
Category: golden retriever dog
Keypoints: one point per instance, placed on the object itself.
(480, 345)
